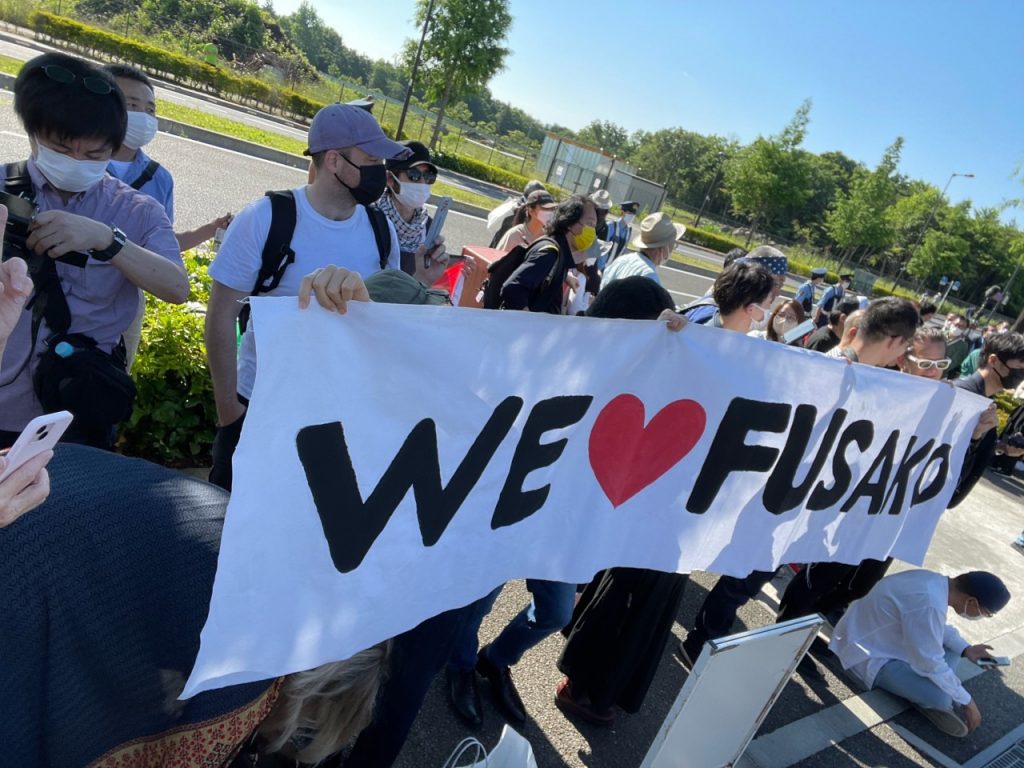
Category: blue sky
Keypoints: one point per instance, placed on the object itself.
(947, 76)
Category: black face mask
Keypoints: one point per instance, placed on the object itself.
(1013, 377)
(372, 181)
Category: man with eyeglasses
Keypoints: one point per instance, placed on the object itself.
(331, 224)
(91, 244)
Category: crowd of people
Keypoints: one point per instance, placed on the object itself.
(107, 563)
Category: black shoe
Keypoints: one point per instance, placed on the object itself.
(464, 696)
(502, 688)
(687, 655)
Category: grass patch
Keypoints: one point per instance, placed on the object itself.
(10, 65)
(229, 127)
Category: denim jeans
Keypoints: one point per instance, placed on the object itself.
(549, 611)
(898, 678)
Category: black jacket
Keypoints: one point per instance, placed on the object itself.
(537, 282)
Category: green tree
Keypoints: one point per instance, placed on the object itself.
(940, 254)
(463, 49)
(858, 218)
(607, 136)
(685, 162)
(769, 174)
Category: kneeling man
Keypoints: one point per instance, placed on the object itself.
(896, 638)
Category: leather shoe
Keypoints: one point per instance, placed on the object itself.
(502, 688)
(464, 696)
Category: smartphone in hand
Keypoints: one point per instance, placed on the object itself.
(39, 435)
(436, 224)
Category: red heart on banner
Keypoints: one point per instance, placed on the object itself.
(627, 456)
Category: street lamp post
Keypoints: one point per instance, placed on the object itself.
(931, 217)
(415, 69)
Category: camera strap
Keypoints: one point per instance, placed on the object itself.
(48, 301)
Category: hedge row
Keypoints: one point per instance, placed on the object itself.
(708, 239)
(172, 66)
(479, 170)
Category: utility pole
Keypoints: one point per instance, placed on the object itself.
(711, 188)
(415, 69)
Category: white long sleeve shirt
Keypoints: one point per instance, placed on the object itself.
(902, 618)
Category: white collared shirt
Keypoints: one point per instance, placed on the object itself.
(902, 618)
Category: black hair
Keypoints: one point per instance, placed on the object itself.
(732, 255)
(318, 159)
(740, 284)
(927, 308)
(845, 306)
(69, 111)
(127, 72)
(631, 298)
(567, 214)
(887, 317)
(1006, 346)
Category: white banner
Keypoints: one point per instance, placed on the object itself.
(548, 447)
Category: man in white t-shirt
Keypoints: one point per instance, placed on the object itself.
(332, 227)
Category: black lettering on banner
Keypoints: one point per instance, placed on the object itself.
(861, 432)
(729, 451)
(874, 490)
(780, 495)
(935, 487)
(515, 504)
(898, 490)
(350, 525)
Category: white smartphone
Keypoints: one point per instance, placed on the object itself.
(436, 224)
(995, 661)
(799, 332)
(41, 434)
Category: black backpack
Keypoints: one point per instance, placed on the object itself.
(278, 253)
(501, 270)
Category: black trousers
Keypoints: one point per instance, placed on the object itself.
(416, 658)
(224, 443)
(718, 612)
(827, 588)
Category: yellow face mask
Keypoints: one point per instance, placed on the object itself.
(584, 239)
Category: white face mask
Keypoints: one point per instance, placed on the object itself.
(66, 173)
(954, 332)
(414, 195)
(627, 218)
(760, 325)
(781, 325)
(141, 129)
(543, 216)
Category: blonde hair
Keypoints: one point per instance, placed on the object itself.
(321, 710)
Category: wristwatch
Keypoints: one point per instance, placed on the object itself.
(120, 238)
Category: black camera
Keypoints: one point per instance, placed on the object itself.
(20, 214)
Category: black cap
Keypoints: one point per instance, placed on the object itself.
(988, 589)
(630, 206)
(846, 276)
(419, 155)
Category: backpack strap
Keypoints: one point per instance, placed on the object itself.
(18, 182)
(277, 249)
(381, 233)
(146, 176)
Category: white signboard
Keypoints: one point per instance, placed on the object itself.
(400, 461)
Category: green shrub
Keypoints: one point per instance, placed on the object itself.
(712, 240)
(479, 170)
(174, 417)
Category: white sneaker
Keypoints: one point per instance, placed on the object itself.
(946, 720)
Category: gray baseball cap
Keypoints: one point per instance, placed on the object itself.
(339, 126)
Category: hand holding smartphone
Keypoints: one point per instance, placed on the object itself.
(39, 435)
(436, 224)
(994, 661)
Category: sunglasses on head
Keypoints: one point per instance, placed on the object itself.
(925, 364)
(65, 76)
(427, 177)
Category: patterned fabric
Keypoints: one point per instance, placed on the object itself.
(411, 234)
(777, 265)
(103, 592)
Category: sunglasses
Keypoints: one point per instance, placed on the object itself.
(926, 365)
(65, 76)
(426, 177)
